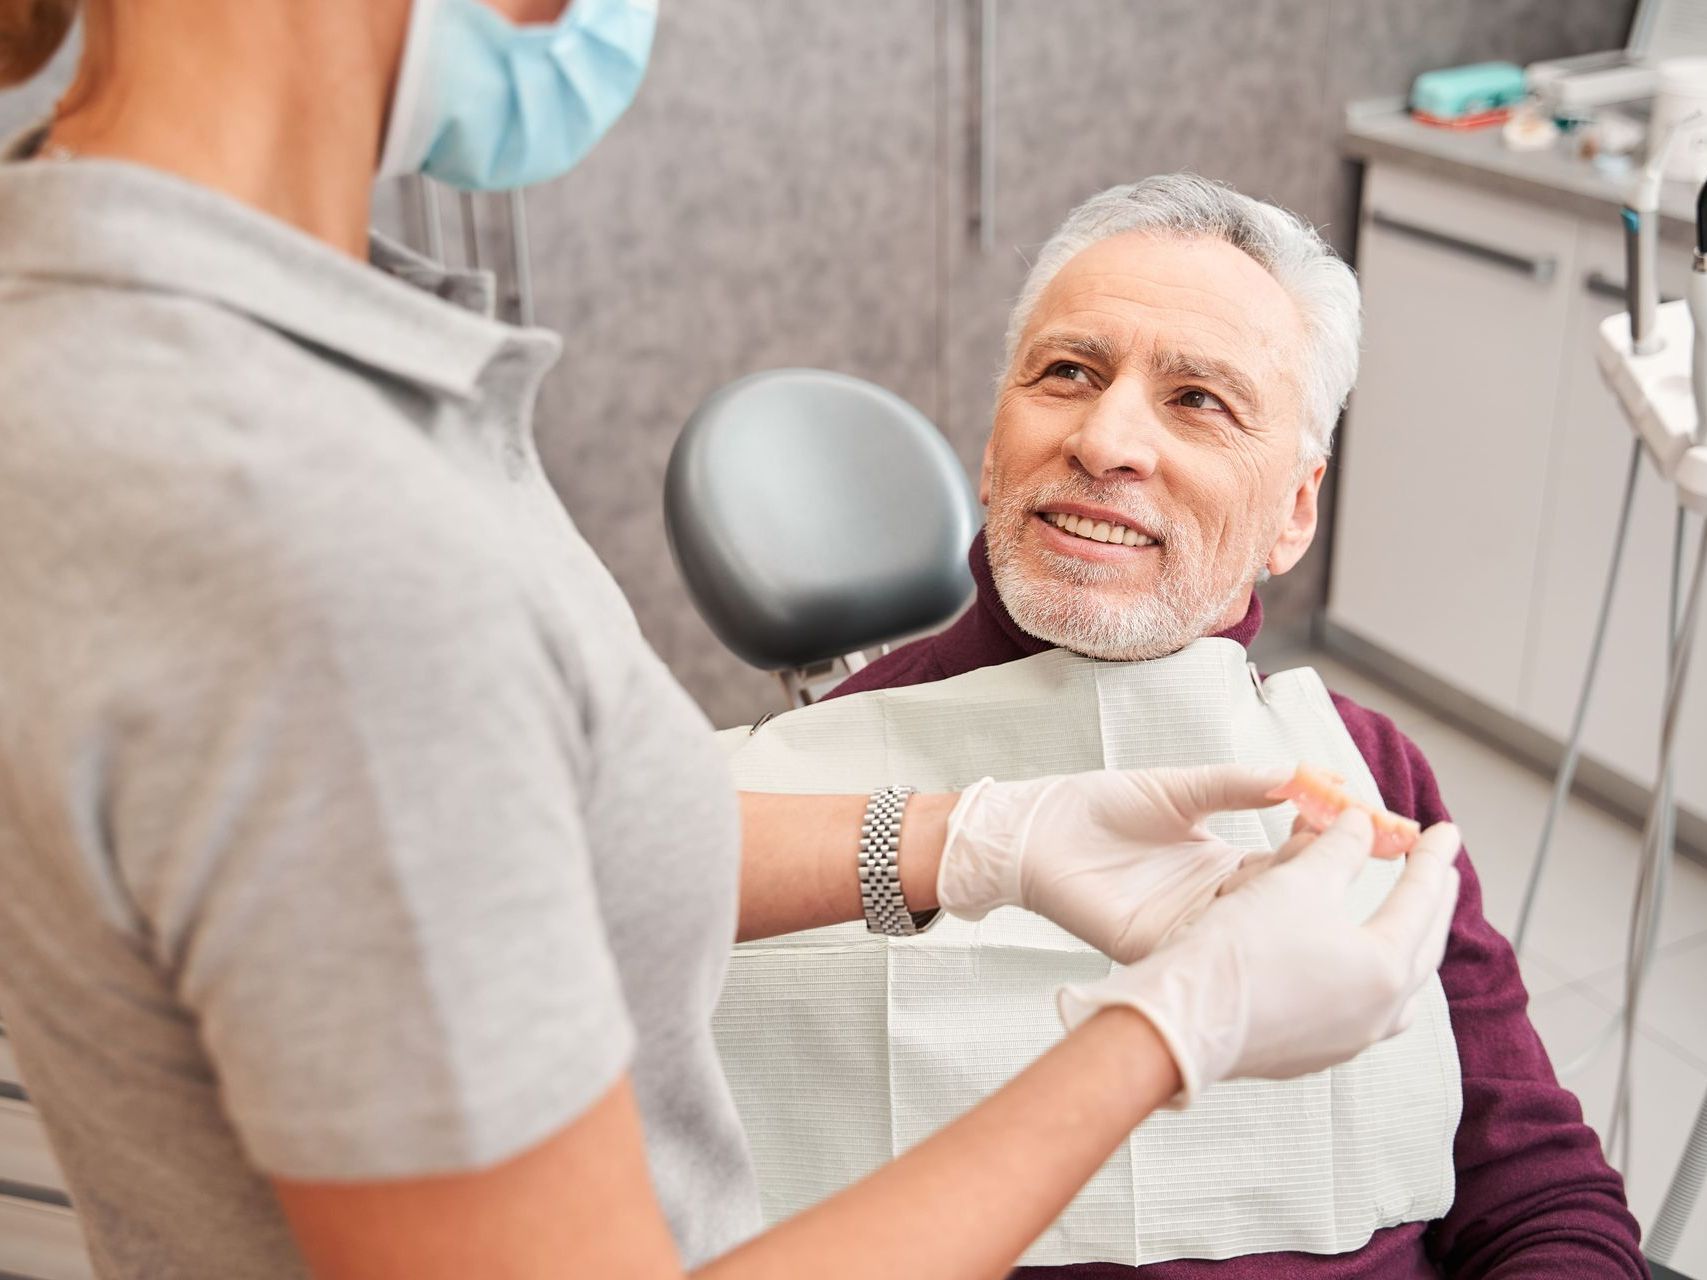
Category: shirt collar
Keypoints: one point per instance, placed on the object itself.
(121, 225)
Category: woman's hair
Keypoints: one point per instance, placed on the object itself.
(31, 32)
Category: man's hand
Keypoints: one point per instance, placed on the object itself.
(1120, 859)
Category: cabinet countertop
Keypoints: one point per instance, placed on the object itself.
(1384, 132)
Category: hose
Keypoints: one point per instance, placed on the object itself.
(1685, 1189)
(1573, 747)
(1657, 834)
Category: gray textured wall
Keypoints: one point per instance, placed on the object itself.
(794, 186)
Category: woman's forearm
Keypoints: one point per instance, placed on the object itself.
(966, 1203)
(800, 859)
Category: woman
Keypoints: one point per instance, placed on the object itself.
(369, 882)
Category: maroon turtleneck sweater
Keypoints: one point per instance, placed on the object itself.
(1534, 1197)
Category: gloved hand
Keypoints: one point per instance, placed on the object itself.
(1119, 859)
(1275, 980)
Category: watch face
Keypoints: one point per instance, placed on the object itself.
(923, 920)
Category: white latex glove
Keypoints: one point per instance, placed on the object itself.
(1118, 858)
(1275, 980)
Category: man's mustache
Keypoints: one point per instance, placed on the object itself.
(1139, 512)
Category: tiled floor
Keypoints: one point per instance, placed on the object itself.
(1573, 957)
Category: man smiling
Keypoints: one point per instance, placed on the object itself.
(1176, 365)
(1151, 454)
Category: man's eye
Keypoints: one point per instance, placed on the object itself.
(1067, 369)
(1198, 398)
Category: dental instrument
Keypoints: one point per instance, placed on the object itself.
(1641, 226)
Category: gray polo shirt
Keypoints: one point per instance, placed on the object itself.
(348, 827)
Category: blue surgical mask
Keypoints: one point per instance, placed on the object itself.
(486, 105)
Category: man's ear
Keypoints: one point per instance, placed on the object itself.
(1300, 528)
(984, 471)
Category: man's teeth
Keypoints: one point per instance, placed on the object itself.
(1099, 530)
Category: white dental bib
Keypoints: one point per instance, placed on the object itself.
(844, 1049)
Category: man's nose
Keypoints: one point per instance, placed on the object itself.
(1119, 438)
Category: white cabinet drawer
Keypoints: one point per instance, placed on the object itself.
(25, 1155)
(42, 1242)
(1442, 468)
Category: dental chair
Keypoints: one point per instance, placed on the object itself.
(814, 516)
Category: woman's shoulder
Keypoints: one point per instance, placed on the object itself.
(142, 373)
(139, 479)
(167, 418)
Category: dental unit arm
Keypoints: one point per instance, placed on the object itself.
(1641, 214)
(1654, 359)
(1642, 353)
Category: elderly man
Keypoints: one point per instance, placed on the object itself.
(1176, 365)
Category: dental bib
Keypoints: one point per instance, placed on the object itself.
(843, 1049)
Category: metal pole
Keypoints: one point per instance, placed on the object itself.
(521, 258)
(432, 227)
(470, 231)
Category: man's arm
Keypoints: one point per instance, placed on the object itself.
(1535, 1198)
(1535, 1195)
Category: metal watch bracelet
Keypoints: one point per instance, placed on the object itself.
(880, 869)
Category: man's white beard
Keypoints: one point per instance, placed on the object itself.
(1065, 606)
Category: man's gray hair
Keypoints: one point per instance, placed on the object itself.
(1288, 248)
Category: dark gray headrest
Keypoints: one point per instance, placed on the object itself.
(813, 514)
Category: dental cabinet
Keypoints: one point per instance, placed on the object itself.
(1482, 465)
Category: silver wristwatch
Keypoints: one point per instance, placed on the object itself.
(880, 869)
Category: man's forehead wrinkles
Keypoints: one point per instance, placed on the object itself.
(1128, 285)
(1181, 287)
(1129, 316)
(1227, 319)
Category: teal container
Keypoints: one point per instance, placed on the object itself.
(1467, 91)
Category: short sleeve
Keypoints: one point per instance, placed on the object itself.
(351, 816)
